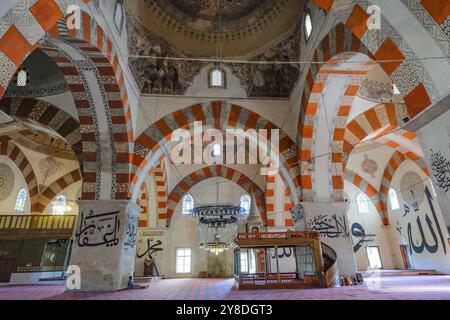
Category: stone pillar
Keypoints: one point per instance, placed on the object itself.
(104, 246)
(330, 220)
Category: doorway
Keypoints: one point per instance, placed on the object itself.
(373, 253)
(406, 256)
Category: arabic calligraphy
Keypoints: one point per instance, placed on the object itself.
(330, 226)
(98, 229)
(131, 231)
(440, 168)
(285, 252)
(359, 232)
(423, 244)
(151, 249)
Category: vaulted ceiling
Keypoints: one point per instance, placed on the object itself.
(255, 30)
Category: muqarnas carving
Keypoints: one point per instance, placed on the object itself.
(270, 78)
(153, 71)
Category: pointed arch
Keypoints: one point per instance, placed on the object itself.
(9, 149)
(49, 193)
(369, 190)
(351, 76)
(48, 115)
(200, 175)
(220, 115)
(91, 42)
(395, 161)
(385, 46)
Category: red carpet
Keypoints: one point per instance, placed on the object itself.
(383, 288)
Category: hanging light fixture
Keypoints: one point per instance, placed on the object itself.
(217, 246)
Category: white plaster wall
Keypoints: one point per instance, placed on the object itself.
(182, 232)
(435, 137)
(426, 260)
(330, 220)
(380, 154)
(7, 205)
(200, 88)
(372, 224)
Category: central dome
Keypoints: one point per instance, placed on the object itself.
(216, 10)
(194, 27)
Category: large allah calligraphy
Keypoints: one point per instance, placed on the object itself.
(423, 243)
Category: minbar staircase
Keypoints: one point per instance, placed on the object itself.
(331, 278)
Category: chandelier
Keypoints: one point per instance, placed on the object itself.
(218, 216)
(217, 246)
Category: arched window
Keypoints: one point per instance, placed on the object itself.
(363, 203)
(393, 199)
(246, 203)
(59, 205)
(21, 200)
(118, 16)
(188, 204)
(217, 78)
(308, 25)
(22, 78)
(217, 150)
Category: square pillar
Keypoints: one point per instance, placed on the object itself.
(104, 245)
(330, 220)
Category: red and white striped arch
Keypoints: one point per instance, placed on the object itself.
(205, 173)
(47, 115)
(369, 190)
(13, 152)
(49, 193)
(150, 145)
(18, 40)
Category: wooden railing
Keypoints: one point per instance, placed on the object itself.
(330, 268)
(278, 235)
(274, 280)
(267, 278)
(35, 226)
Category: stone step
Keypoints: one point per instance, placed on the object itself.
(399, 272)
(146, 279)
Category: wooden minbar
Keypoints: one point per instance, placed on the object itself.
(259, 264)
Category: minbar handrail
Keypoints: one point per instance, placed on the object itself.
(277, 235)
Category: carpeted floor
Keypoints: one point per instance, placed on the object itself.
(380, 288)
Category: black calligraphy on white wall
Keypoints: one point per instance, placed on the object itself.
(281, 252)
(359, 233)
(440, 169)
(433, 226)
(331, 226)
(131, 230)
(98, 229)
(151, 249)
(150, 268)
